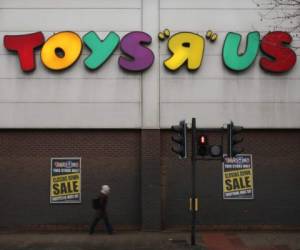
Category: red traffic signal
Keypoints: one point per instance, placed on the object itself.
(202, 140)
(204, 149)
(202, 145)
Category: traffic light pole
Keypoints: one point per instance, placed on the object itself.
(180, 139)
(229, 141)
(194, 160)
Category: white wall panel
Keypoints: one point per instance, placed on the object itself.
(70, 115)
(224, 4)
(70, 19)
(69, 90)
(112, 98)
(217, 19)
(230, 90)
(75, 98)
(30, 4)
(209, 4)
(249, 115)
(214, 94)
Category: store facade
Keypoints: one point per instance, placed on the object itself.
(115, 114)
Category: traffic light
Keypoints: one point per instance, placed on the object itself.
(202, 145)
(234, 139)
(180, 139)
(205, 149)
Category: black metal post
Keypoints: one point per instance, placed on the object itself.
(194, 156)
(229, 142)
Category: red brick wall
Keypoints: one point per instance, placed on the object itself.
(108, 157)
(145, 185)
(276, 157)
(150, 180)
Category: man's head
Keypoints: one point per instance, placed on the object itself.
(105, 189)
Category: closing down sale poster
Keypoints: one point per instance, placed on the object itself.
(238, 177)
(65, 180)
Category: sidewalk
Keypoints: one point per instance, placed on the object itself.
(151, 241)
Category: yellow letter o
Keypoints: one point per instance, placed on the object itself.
(61, 50)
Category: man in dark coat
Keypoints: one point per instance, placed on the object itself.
(101, 211)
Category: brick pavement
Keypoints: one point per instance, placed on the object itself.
(150, 241)
(251, 240)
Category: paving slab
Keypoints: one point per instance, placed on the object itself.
(151, 241)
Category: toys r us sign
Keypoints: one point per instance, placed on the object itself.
(63, 49)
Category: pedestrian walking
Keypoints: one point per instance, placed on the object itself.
(99, 205)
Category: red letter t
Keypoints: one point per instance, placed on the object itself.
(24, 45)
